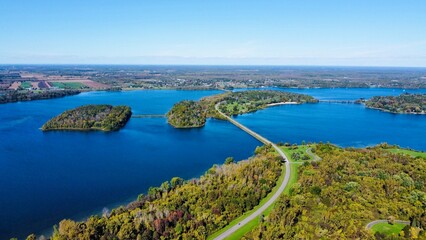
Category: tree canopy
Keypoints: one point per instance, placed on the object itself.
(336, 197)
(186, 114)
(180, 209)
(405, 103)
(90, 117)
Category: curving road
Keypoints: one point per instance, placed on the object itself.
(314, 157)
(281, 188)
(371, 224)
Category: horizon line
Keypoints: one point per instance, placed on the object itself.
(205, 65)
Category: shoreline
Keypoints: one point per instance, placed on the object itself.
(77, 129)
(387, 111)
(281, 103)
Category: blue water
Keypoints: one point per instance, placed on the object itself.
(347, 125)
(343, 124)
(45, 177)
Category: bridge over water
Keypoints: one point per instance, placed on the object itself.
(148, 115)
(338, 101)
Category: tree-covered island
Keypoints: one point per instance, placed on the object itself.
(187, 114)
(90, 117)
(404, 103)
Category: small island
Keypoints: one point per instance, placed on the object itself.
(189, 114)
(186, 114)
(404, 103)
(90, 117)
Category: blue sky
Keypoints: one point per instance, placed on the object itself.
(296, 32)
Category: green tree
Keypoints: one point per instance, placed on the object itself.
(229, 160)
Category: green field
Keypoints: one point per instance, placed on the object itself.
(25, 85)
(255, 222)
(388, 229)
(68, 85)
(300, 150)
(236, 107)
(407, 152)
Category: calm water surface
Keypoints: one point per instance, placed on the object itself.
(342, 124)
(45, 177)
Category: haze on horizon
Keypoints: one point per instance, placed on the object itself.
(243, 32)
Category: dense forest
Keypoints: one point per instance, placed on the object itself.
(19, 96)
(336, 197)
(90, 117)
(194, 114)
(404, 103)
(181, 209)
(186, 114)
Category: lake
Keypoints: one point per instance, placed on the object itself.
(45, 177)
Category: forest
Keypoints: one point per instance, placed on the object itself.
(90, 117)
(404, 103)
(180, 209)
(186, 114)
(28, 95)
(336, 197)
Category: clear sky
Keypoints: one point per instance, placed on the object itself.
(260, 32)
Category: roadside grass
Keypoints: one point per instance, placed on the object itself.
(407, 152)
(387, 228)
(240, 107)
(301, 149)
(68, 85)
(255, 222)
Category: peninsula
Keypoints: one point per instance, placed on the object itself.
(187, 114)
(90, 117)
(404, 103)
(29, 95)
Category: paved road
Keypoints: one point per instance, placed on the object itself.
(314, 157)
(281, 188)
(371, 224)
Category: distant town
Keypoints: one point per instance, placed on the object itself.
(104, 77)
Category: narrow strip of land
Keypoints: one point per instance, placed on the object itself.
(337, 101)
(280, 190)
